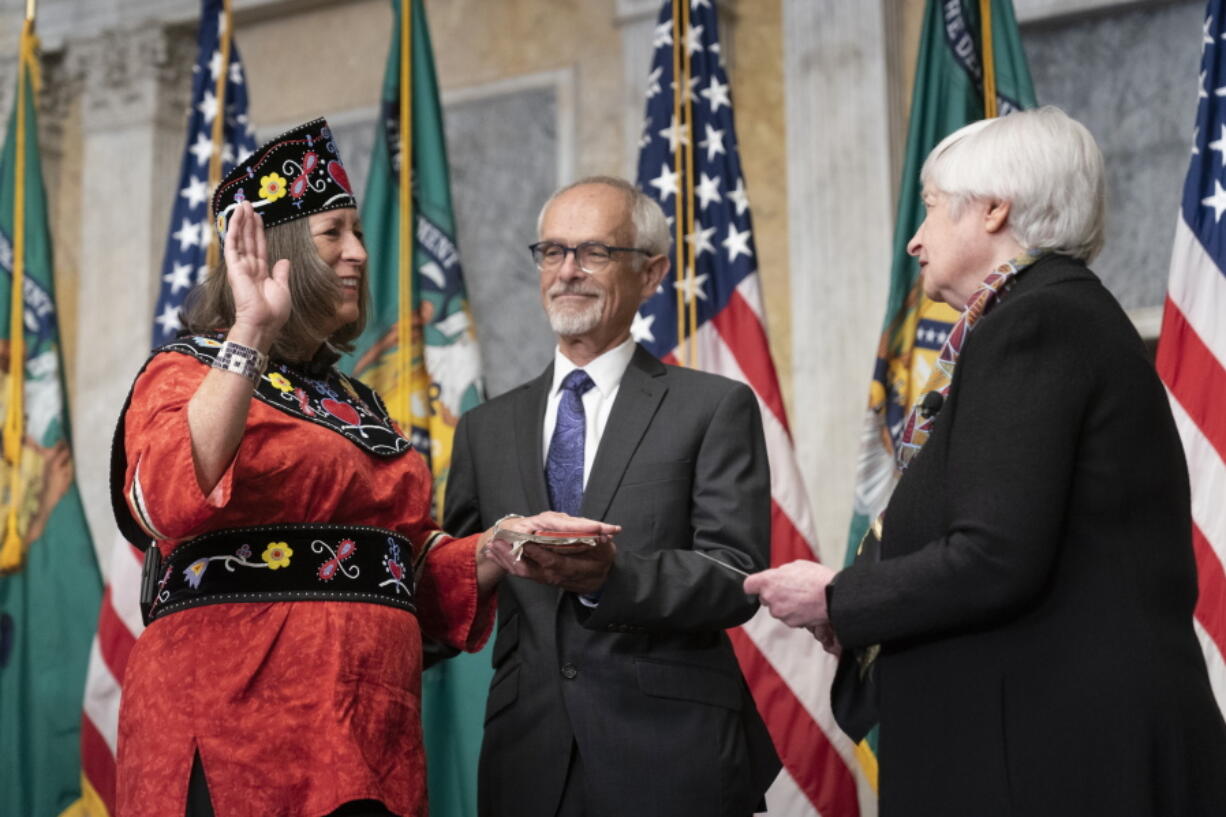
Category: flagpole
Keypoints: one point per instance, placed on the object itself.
(678, 225)
(404, 331)
(683, 90)
(989, 59)
(11, 551)
(219, 121)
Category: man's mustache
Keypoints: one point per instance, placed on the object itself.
(571, 289)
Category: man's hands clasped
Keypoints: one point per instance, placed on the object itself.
(581, 571)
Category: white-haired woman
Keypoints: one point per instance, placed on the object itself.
(1034, 593)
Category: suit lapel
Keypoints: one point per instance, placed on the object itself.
(642, 388)
(528, 433)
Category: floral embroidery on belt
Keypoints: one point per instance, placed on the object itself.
(395, 567)
(344, 549)
(276, 555)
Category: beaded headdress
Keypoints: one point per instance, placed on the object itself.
(294, 175)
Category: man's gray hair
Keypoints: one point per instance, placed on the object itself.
(646, 217)
(1043, 162)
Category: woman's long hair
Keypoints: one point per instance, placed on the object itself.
(314, 289)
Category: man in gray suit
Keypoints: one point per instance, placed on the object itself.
(616, 690)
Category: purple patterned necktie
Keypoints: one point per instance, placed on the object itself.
(564, 465)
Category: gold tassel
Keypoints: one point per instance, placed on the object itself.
(13, 553)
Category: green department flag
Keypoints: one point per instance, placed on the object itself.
(50, 587)
(419, 351)
(948, 94)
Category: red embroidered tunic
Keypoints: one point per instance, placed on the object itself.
(294, 707)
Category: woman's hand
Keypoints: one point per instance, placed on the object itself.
(795, 594)
(824, 633)
(261, 296)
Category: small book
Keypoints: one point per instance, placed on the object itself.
(559, 541)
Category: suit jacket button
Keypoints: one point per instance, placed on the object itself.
(569, 671)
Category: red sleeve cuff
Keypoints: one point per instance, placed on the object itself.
(448, 603)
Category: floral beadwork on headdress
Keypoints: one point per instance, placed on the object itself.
(294, 175)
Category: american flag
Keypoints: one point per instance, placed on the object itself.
(191, 228)
(786, 668)
(184, 265)
(1192, 347)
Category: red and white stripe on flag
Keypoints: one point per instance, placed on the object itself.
(1191, 356)
(1192, 363)
(119, 624)
(786, 668)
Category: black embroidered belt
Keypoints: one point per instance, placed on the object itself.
(294, 562)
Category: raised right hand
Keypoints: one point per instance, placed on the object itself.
(261, 296)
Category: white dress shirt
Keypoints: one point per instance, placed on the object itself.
(606, 372)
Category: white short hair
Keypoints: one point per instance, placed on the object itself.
(1043, 162)
(646, 218)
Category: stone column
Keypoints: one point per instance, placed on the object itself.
(134, 95)
(635, 19)
(840, 214)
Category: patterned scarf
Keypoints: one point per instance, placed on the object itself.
(919, 422)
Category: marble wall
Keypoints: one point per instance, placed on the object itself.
(503, 148)
(840, 211)
(1131, 77)
(505, 157)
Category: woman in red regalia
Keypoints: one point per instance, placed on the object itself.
(295, 563)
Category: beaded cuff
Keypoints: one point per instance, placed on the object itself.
(240, 359)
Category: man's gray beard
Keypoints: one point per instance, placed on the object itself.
(569, 323)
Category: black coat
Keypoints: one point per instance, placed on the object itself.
(646, 683)
(1035, 594)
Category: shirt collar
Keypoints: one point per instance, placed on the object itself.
(606, 371)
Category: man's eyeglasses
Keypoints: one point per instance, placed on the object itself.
(592, 256)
